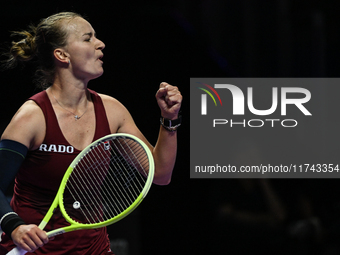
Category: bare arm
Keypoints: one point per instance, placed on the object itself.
(27, 127)
(164, 152)
(169, 100)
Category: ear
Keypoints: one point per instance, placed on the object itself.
(61, 56)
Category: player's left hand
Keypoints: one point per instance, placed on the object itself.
(169, 100)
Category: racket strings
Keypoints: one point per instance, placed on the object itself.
(87, 195)
(93, 195)
(106, 181)
(138, 158)
(98, 198)
(131, 159)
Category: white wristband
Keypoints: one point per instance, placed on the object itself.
(6, 214)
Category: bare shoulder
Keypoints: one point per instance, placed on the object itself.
(112, 105)
(120, 120)
(110, 101)
(117, 114)
(27, 125)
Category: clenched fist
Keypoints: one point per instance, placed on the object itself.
(169, 100)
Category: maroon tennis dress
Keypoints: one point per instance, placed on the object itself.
(38, 180)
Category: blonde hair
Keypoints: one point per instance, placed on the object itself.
(38, 43)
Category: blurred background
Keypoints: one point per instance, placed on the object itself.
(148, 42)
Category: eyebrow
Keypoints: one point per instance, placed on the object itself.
(90, 34)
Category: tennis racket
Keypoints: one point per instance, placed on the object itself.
(103, 184)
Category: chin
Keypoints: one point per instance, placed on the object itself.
(98, 74)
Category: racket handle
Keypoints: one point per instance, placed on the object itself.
(17, 251)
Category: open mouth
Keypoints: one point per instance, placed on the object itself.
(100, 57)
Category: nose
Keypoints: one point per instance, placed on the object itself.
(100, 45)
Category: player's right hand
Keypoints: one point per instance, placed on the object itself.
(29, 237)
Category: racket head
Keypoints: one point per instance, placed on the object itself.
(106, 182)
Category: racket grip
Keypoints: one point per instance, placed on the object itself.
(17, 251)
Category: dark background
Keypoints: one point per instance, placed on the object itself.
(148, 42)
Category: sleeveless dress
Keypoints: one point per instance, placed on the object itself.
(39, 178)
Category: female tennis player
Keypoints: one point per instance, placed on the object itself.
(53, 126)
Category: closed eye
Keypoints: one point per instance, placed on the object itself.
(90, 35)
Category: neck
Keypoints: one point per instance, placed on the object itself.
(73, 100)
(70, 94)
(69, 85)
